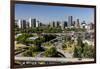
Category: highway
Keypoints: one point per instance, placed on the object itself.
(52, 59)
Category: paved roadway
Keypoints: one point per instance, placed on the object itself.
(66, 54)
(52, 59)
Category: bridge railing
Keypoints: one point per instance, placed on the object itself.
(52, 59)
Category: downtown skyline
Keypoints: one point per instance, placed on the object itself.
(47, 14)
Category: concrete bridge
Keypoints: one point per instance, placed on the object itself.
(48, 59)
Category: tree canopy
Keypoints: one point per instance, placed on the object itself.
(51, 52)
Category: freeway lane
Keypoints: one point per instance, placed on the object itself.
(52, 59)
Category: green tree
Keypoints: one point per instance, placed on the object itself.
(24, 38)
(79, 41)
(88, 51)
(49, 37)
(77, 52)
(34, 48)
(32, 51)
(51, 52)
(39, 41)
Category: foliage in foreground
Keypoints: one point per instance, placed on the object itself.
(83, 50)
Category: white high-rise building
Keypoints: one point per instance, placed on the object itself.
(18, 22)
(22, 23)
(33, 23)
(37, 23)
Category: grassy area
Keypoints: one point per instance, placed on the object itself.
(35, 53)
(19, 45)
(48, 44)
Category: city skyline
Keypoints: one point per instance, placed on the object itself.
(53, 13)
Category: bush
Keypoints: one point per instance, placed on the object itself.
(32, 51)
(34, 48)
(88, 51)
(23, 38)
(77, 52)
(51, 52)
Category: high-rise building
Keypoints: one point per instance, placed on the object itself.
(33, 23)
(52, 24)
(57, 24)
(40, 24)
(74, 23)
(18, 22)
(23, 24)
(70, 21)
(64, 25)
(77, 24)
(92, 26)
(27, 24)
(37, 23)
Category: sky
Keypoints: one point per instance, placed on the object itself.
(46, 14)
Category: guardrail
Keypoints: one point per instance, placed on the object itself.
(52, 59)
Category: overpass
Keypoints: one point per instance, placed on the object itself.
(48, 59)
